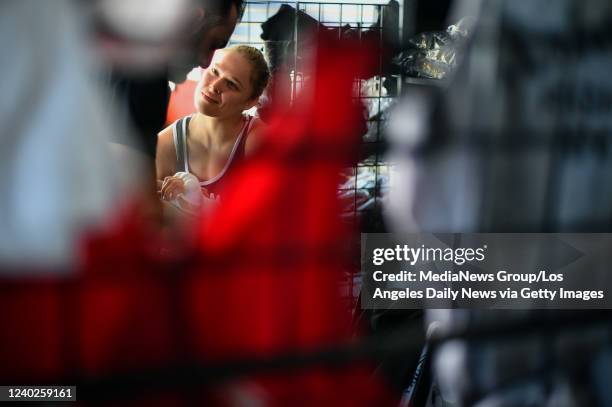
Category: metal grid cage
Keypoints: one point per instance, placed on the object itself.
(367, 183)
(364, 186)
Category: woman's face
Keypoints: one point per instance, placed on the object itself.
(225, 88)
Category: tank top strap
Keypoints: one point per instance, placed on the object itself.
(179, 133)
(245, 134)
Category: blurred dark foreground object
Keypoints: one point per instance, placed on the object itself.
(520, 141)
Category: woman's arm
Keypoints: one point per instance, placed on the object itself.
(165, 158)
(165, 165)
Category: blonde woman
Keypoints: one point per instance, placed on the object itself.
(195, 154)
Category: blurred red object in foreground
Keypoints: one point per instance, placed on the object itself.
(259, 280)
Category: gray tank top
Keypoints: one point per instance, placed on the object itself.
(180, 131)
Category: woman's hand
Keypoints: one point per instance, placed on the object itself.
(171, 188)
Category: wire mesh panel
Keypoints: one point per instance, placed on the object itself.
(367, 183)
(268, 24)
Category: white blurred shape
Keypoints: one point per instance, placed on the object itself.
(57, 179)
(146, 20)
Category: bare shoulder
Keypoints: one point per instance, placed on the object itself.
(255, 138)
(165, 138)
(165, 159)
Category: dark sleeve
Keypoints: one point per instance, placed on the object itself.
(145, 102)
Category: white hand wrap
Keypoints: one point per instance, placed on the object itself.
(193, 193)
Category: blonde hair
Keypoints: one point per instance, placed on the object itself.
(261, 72)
